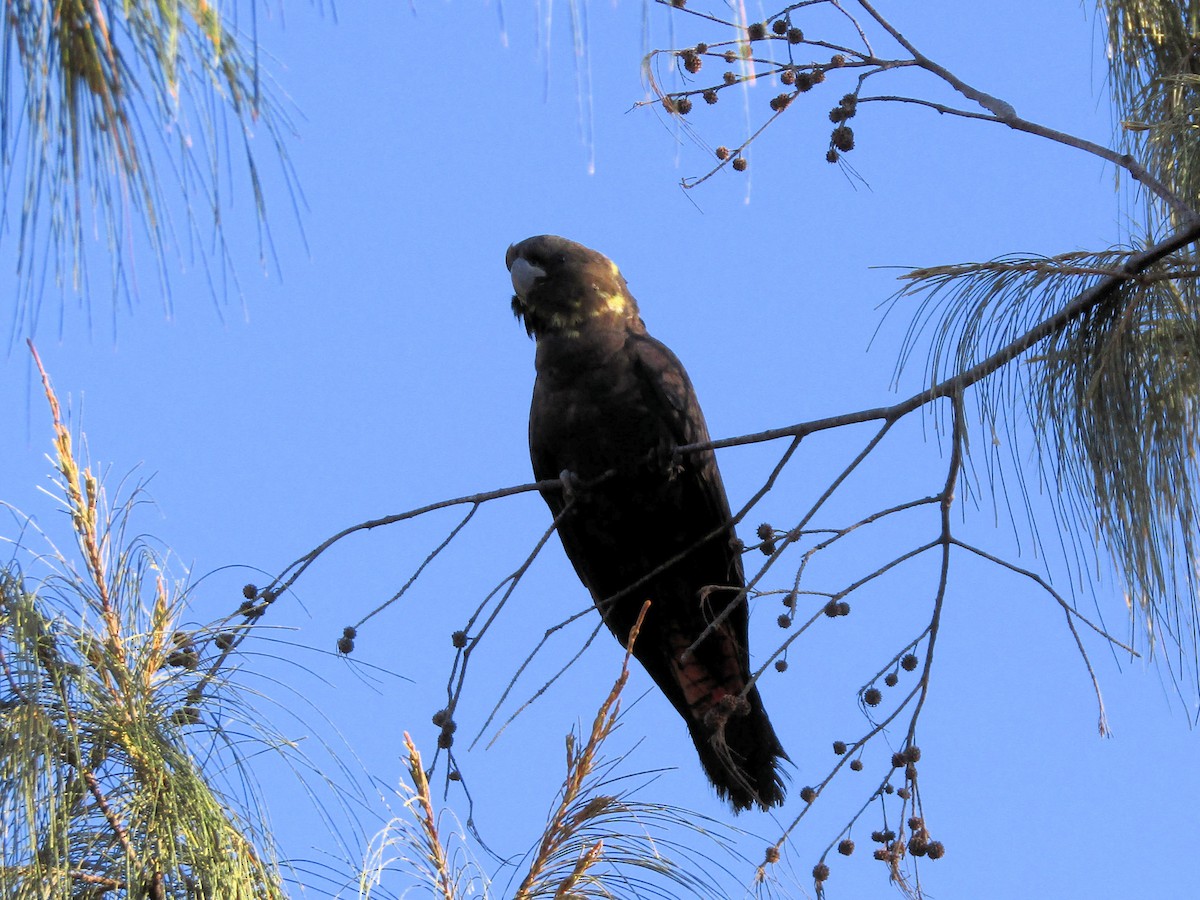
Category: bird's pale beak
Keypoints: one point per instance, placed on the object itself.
(524, 275)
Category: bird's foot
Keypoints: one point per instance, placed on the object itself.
(662, 460)
(727, 707)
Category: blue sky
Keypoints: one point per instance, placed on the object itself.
(379, 369)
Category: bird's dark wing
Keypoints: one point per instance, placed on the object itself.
(627, 417)
(669, 390)
(620, 535)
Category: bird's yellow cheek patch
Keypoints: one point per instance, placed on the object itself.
(615, 303)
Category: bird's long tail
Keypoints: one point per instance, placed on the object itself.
(737, 745)
(740, 752)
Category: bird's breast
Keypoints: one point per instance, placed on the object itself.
(589, 414)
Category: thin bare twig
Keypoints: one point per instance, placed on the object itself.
(290, 573)
(947, 501)
(458, 670)
(421, 568)
(1081, 305)
(839, 533)
(1071, 614)
(284, 581)
(1070, 610)
(1005, 114)
(541, 690)
(876, 729)
(787, 540)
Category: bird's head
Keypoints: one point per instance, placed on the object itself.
(563, 288)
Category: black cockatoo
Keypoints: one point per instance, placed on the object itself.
(609, 398)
